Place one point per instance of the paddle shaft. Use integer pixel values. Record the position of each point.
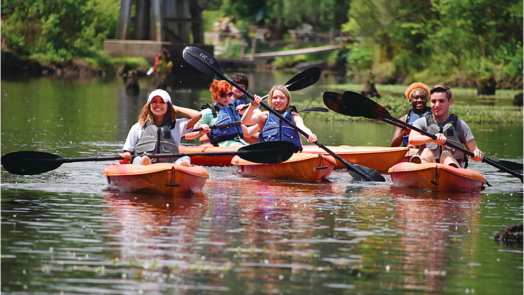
(319, 144)
(220, 126)
(113, 158)
(453, 145)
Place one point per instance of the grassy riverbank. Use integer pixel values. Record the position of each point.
(395, 102)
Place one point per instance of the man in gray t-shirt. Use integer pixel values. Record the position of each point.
(442, 126)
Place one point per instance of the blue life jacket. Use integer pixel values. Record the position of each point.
(411, 117)
(240, 101)
(156, 140)
(226, 114)
(276, 129)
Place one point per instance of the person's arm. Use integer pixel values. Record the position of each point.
(195, 134)
(193, 115)
(131, 141)
(251, 118)
(300, 124)
(126, 157)
(418, 139)
(398, 136)
(249, 131)
(472, 147)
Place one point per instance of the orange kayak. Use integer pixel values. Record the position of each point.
(301, 167)
(436, 177)
(204, 160)
(377, 158)
(166, 179)
(374, 157)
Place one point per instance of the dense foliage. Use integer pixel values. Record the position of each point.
(281, 15)
(461, 42)
(58, 29)
(440, 40)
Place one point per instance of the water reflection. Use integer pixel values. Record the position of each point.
(429, 222)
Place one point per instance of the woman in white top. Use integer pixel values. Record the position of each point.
(158, 130)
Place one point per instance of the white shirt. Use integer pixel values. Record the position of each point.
(136, 132)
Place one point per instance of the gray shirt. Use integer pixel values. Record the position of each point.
(463, 131)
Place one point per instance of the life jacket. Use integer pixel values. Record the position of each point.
(450, 131)
(242, 100)
(214, 108)
(411, 117)
(226, 114)
(276, 129)
(156, 140)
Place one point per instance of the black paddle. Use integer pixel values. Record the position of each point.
(33, 162)
(221, 126)
(300, 81)
(366, 107)
(335, 102)
(204, 62)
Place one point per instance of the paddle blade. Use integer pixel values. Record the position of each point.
(203, 61)
(367, 107)
(334, 101)
(363, 173)
(270, 152)
(304, 79)
(511, 165)
(30, 162)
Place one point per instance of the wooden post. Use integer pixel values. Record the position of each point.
(156, 21)
(253, 48)
(124, 19)
(331, 36)
(243, 46)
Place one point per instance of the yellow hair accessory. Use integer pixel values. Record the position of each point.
(416, 86)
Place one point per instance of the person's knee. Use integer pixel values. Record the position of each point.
(427, 156)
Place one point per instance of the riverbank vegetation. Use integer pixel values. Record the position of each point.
(64, 36)
(462, 43)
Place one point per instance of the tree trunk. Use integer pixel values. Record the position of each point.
(517, 101)
(369, 88)
(486, 86)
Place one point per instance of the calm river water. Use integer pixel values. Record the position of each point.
(64, 232)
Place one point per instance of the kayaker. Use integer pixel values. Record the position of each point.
(239, 99)
(445, 126)
(158, 114)
(272, 127)
(219, 113)
(417, 95)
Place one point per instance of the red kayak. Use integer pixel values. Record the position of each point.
(436, 177)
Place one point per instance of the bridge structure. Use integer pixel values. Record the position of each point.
(146, 27)
(176, 21)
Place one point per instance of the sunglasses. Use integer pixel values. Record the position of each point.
(224, 94)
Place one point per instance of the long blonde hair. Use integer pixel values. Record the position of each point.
(284, 90)
(147, 115)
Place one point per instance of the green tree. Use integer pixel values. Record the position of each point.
(59, 28)
(286, 14)
(442, 39)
